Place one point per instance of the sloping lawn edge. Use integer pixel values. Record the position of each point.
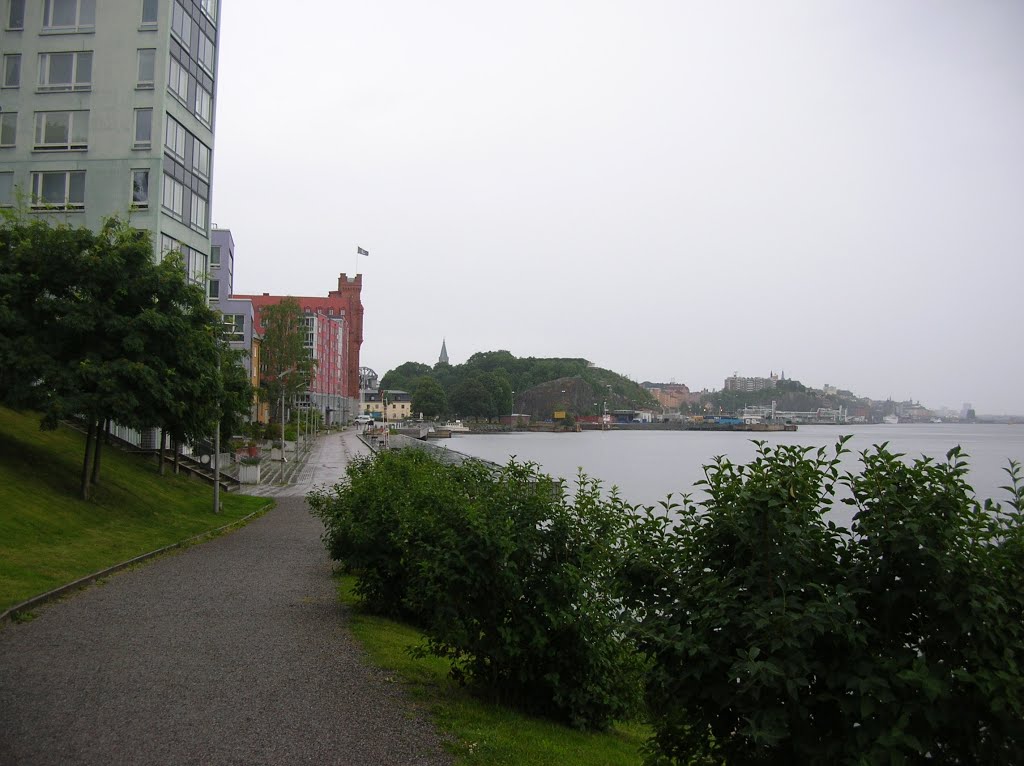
(23, 611)
(480, 733)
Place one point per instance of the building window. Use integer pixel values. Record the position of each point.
(12, 70)
(64, 189)
(215, 288)
(204, 106)
(140, 189)
(196, 265)
(209, 8)
(69, 15)
(149, 13)
(181, 25)
(174, 138)
(173, 197)
(215, 255)
(198, 218)
(16, 14)
(143, 128)
(206, 53)
(8, 128)
(177, 80)
(61, 131)
(201, 158)
(6, 189)
(65, 71)
(147, 67)
(167, 245)
(234, 327)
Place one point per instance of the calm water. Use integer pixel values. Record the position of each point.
(648, 466)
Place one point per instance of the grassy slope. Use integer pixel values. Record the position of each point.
(49, 537)
(484, 734)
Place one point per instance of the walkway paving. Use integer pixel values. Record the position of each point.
(230, 652)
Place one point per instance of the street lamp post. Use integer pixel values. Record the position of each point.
(512, 415)
(216, 445)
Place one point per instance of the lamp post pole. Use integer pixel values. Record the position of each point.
(216, 444)
(512, 415)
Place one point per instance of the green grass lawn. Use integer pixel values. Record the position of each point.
(50, 537)
(482, 733)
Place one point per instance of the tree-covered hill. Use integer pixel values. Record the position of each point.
(483, 386)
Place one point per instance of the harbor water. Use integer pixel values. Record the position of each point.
(648, 466)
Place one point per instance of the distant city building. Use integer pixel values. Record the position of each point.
(750, 385)
(334, 334)
(396, 404)
(671, 395)
(237, 314)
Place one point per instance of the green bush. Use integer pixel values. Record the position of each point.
(511, 579)
(777, 638)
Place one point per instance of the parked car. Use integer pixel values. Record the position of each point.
(363, 420)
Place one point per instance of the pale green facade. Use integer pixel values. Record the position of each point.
(107, 107)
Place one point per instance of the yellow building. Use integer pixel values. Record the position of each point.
(397, 403)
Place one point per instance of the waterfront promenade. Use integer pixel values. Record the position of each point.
(230, 652)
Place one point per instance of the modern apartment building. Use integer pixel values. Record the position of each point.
(107, 107)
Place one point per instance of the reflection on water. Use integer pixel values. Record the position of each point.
(648, 466)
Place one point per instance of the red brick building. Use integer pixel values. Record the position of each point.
(334, 334)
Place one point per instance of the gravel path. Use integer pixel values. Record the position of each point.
(230, 652)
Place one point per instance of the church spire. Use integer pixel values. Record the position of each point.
(443, 359)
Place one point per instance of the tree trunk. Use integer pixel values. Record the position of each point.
(160, 451)
(101, 437)
(177, 456)
(90, 434)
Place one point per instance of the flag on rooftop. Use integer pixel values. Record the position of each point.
(360, 251)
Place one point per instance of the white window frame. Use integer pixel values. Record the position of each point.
(68, 203)
(207, 53)
(139, 204)
(6, 189)
(13, 5)
(209, 8)
(77, 57)
(9, 124)
(84, 9)
(155, 7)
(175, 136)
(181, 25)
(200, 158)
(197, 268)
(142, 143)
(178, 77)
(198, 213)
(168, 245)
(74, 121)
(213, 293)
(141, 82)
(234, 327)
(12, 71)
(172, 198)
(215, 261)
(204, 105)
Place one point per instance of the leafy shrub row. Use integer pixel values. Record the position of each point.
(512, 579)
(762, 632)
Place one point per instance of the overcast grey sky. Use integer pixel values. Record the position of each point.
(673, 190)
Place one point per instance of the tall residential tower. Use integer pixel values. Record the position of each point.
(107, 107)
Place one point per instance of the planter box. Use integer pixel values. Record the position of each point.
(275, 453)
(249, 474)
